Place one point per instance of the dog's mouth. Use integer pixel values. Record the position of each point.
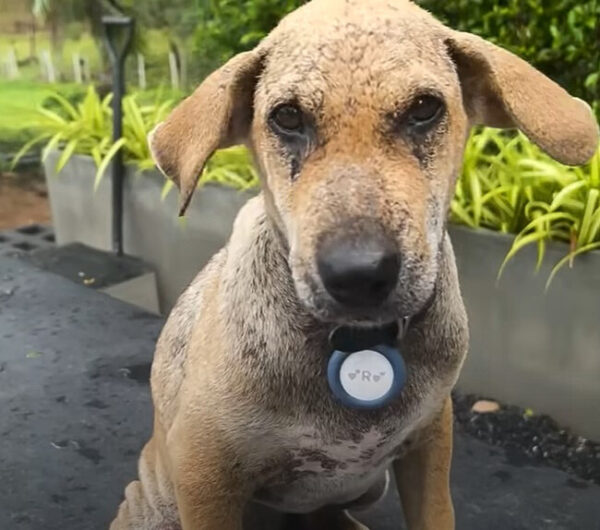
(411, 295)
(362, 281)
(398, 305)
(335, 313)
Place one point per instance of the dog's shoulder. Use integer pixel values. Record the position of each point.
(172, 349)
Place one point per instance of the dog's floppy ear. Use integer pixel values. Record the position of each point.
(217, 115)
(502, 90)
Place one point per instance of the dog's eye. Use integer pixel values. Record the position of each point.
(425, 111)
(288, 118)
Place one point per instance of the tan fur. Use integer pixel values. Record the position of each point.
(423, 477)
(242, 407)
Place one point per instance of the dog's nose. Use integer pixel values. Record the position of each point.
(359, 272)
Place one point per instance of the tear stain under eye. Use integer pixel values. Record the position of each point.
(295, 168)
(424, 148)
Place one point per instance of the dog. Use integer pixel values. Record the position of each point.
(357, 113)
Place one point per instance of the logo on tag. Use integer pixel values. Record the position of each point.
(366, 375)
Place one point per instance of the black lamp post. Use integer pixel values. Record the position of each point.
(119, 33)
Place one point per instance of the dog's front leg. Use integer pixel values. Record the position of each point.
(210, 493)
(423, 478)
(207, 500)
(197, 512)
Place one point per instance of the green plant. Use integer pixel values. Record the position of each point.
(510, 185)
(73, 128)
(560, 37)
(18, 101)
(86, 128)
(231, 167)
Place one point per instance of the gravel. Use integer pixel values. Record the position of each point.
(529, 438)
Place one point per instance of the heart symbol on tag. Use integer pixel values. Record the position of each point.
(376, 378)
(352, 376)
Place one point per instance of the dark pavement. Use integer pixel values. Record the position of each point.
(76, 411)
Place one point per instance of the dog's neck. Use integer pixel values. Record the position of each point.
(275, 220)
(272, 338)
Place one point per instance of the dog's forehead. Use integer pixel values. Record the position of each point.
(321, 11)
(386, 53)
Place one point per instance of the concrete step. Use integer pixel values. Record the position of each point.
(125, 278)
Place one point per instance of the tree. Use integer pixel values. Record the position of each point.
(47, 11)
(177, 19)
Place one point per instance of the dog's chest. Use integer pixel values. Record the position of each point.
(317, 470)
(336, 455)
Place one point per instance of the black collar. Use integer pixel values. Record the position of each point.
(351, 338)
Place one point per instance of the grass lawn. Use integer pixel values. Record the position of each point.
(18, 101)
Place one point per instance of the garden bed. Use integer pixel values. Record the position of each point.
(530, 438)
(535, 348)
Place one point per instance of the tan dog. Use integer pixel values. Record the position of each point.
(357, 112)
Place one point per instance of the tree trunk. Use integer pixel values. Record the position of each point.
(32, 39)
(55, 33)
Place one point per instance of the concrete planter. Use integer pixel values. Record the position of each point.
(177, 249)
(529, 347)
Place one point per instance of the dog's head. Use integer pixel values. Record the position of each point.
(357, 112)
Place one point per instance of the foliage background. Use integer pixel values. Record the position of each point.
(561, 37)
(507, 184)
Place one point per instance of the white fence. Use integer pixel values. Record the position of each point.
(80, 70)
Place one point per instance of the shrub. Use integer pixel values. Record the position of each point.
(509, 185)
(232, 26)
(561, 38)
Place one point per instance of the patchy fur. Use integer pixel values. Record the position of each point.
(242, 406)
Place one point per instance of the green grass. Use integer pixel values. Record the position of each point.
(18, 103)
(18, 97)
